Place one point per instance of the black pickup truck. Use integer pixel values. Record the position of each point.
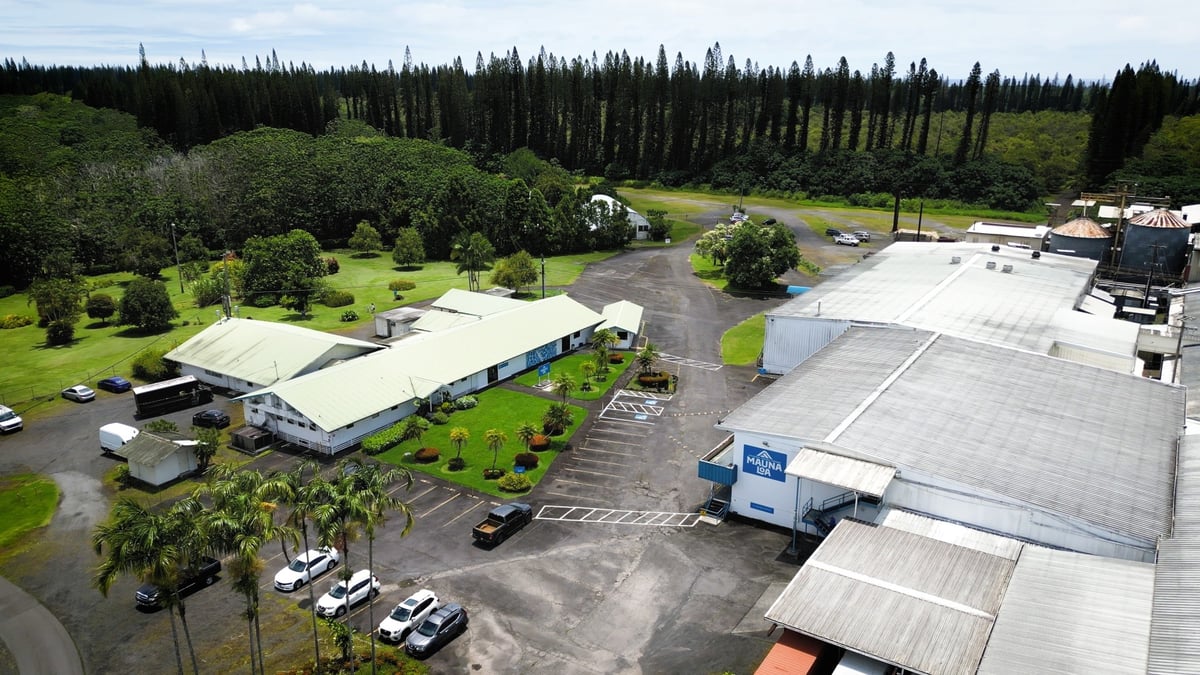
(150, 595)
(503, 521)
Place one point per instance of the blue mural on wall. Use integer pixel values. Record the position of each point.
(541, 354)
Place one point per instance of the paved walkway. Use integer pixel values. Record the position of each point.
(38, 642)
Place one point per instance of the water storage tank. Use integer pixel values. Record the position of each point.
(1082, 238)
(1157, 236)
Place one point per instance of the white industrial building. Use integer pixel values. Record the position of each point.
(335, 408)
(1008, 441)
(624, 319)
(989, 293)
(244, 354)
(1018, 235)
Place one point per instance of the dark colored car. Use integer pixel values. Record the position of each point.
(440, 628)
(116, 384)
(217, 419)
(149, 595)
(832, 232)
(769, 221)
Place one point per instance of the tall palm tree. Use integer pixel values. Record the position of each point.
(152, 547)
(374, 483)
(563, 385)
(304, 490)
(338, 518)
(242, 521)
(495, 440)
(474, 254)
(459, 437)
(602, 341)
(525, 434)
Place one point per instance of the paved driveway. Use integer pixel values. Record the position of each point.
(559, 597)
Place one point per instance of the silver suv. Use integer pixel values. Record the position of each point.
(361, 585)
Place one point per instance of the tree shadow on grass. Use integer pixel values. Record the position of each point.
(766, 293)
(709, 275)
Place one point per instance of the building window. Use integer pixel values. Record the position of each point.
(254, 411)
(576, 334)
(622, 335)
(349, 426)
(210, 372)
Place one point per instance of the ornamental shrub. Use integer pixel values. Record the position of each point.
(466, 402)
(149, 366)
(14, 321)
(514, 482)
(439, 417)
(60, 332)
(446, 407)
(493, 474)
(338, 299)
(456, 464)
(383, 440)
(349, 315)
(401, 285)
(263, 300)
(526, 459)
(616, 358)
(427, 455)
(332, 266)
(539, 443)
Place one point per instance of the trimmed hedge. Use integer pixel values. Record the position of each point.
(15, 321)
(383, 440)
(526, 459)
(338, 299)
(427, 455)
(456, 464)
(465, 402)
(514, 482)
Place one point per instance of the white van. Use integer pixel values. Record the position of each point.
(115, 435)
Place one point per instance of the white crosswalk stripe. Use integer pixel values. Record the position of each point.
(691, 363)
(584, 514)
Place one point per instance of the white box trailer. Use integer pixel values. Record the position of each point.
(114, 436)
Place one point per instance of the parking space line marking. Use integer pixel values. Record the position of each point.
(563, 494)
(689, 362)
(606, 440)
(607, 452)
(600, 461)
(456, 495)
(594, 473)
(625, 421)
(575, 482)
(622, 432)
(431, 489)
(473, 507)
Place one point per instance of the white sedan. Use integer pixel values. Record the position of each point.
(79, 393)
(305, 567)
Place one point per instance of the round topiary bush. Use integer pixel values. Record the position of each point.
(616, 358)
(465, 402)
(493, 474)
(539, 443)
(439, 417)
(456, 464)
(526, 459)
(514, 482)
(427, 455)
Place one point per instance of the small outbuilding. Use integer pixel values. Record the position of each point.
(156, 461)
(396, 322)
(624, 319)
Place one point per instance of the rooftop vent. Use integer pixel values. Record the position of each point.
(991, 264)
(1035, 255)
(954, 260)
(995, 248)
(1007, 269)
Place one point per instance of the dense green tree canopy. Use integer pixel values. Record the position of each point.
(147, 305)
(758, 255)
(283, 264)
(409, 250)
(516, 271)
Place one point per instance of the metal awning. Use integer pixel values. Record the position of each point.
(867, 478)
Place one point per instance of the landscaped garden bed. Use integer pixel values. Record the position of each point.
(572, 365)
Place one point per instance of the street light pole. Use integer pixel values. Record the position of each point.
(543, 277)
(178, 267)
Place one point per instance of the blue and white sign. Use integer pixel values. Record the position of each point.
(762, 507)
(544, 370)
(765, 463)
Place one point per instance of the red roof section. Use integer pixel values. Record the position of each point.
(794, 654)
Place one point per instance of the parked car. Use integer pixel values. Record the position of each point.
(116, 384)
(769, 221)
(408, 615)
(305, 567)
(832, 232)
(217, 419)
(150, 595)
(79, 393)
(361, 585)
(440, 628)
(862, 235)
(846, 239)
(502, 522)
(9, 420)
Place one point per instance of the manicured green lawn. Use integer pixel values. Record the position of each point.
(498, 409)
(708, 271)
(741, 345)
(570, 365)
(27, 502)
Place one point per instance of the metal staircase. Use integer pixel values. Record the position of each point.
(822, 516)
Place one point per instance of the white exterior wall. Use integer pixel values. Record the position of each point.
(789, 340)
(178, 463)
(219, 380)
(290, 425)
(763, 491)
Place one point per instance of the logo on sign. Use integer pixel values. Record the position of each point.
(544, 369)
(765, 463)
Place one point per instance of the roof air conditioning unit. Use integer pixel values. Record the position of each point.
(1037, 254)
(1007, 269)
(954, 259)
(995, 248)
(991, 264)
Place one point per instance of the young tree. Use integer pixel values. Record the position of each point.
(410, 249)
(474, 254)
(588, 370)
(208, 440)
(603, 340)
(147, 305)
(495, 440)
(365, 240)
(515, 272)
(459, 437)
(557, 418)
(101, 306)
(304, 491)
(525, 434)
(647, 357)
(374, 483)
(563, 385)
(414, 428)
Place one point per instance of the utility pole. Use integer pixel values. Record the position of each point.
(226, 301)
(178, 267)
(543, 277)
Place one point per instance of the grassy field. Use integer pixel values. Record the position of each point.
(37, 372)
(27, 502)
(741, 345)
(498, 409)
(570, 365)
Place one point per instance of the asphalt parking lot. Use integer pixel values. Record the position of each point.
(564, 595)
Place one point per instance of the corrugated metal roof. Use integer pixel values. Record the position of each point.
(918, 284)
(1082, 228)
(622, 315)
(1015, 230)
(435, 321)
(951, 533)
(148, 450)
(1068, 612)
(263, 351)
(477, 304)
(1070, 439)
(1159, 218)
(418, 366)
(1174, 636)
(863, 477)
(901, 598)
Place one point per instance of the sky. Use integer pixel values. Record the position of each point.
(1090, 39)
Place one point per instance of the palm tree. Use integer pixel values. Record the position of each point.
(495, 440)
(303, 490)
(588, 369)
(415, 427)
(557, 418)
(374, 482)
(563, 385)
(474, 254)
(242, 521)
(152, 547)
(459, 437)
(602, 341)
(525, 434)
(647, 357)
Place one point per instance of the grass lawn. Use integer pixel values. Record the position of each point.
(741, 345)
(570, 365)
(498, 409)
(708, 271)
(39, 372)
(27, 502)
